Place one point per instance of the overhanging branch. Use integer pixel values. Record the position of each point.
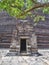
(35, 7)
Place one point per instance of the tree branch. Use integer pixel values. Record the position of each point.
(35, 7)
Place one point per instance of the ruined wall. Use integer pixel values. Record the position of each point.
(8, 24)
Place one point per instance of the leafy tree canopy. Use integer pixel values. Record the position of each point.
(22, 8)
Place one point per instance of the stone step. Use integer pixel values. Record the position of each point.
(17, 49)
(25, 54)
(11, 54)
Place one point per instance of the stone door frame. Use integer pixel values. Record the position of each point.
(27, 38)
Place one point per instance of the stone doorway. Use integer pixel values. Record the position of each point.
(23, 45)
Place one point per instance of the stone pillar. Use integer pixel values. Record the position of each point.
(34, 44)
(13, 46)
(14, 42)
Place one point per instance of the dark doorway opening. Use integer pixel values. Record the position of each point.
(23, 45)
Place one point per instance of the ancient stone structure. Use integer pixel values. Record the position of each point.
(8, 25)
(24, 38)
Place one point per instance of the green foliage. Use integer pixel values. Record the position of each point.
(17, 7)
(46, 10)
(38, 18)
